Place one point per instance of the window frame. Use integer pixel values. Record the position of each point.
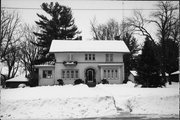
(109, 57)
(70, 73)
(90, 57)
(110, 73)
(46, 74)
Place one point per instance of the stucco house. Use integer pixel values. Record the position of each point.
(90, 61)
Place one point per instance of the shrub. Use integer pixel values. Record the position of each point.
(61, 82)
(104, 81)
(78, 81)
(21, 85)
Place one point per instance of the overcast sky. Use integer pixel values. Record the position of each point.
(82, 11)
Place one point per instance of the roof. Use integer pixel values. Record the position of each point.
(20, 78)
(133, 72)
(166, 74)
(88, 46)
(176, 72)
(110, 64)
(50, 66)
(46, 64)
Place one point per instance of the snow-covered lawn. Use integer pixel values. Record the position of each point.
(80, 101)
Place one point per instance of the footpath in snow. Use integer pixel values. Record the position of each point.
(80, 101)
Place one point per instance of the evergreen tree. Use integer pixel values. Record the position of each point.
(171, 56)
(129, 59)
(58, 25)
(148, 66)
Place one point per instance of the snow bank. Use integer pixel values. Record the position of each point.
(80, 101)
(59, 108)
(55, 102)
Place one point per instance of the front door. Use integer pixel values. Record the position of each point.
(90, 75)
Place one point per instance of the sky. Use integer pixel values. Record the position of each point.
(83, 11)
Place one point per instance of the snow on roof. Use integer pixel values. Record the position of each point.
(20, 78)
(133, 72)
(88, 46)
(176, 72)
(166, 74)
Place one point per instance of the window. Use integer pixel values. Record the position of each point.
(67, 72)
(109, 57)
(90, 57)
(111, 73)
(70, 74)
(47, 73)
(77, 74)
(70, 57)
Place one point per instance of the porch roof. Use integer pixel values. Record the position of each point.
(38, 66)
(88, 46)
(20, 78)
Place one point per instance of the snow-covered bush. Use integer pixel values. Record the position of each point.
(22, 85)
(60, 81)
(104, 81)
(78, 81)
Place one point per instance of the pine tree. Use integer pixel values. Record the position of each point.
(129, 60)
(58, 25)
(148, 66)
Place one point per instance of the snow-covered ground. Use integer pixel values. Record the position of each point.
(80, 101)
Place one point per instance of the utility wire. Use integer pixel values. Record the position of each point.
(78, 8)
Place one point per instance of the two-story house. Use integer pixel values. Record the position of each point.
(90, 61)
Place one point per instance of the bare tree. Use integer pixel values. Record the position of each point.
(9, 42)
(12, 61)
(29, 51)
(166, 20)
(107, 31)
(9, 32)
(138, 23)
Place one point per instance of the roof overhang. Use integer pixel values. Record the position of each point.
(106, 65)
(44, 66)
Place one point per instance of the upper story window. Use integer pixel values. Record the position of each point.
(47, 73)
(90, 57)
(70, 57)
(109, 57)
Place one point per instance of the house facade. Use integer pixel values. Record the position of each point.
(90, 61)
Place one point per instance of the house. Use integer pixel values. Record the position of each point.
(90, 61)
(132, 76)
(175, 76)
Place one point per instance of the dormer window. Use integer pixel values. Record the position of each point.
(90, 57)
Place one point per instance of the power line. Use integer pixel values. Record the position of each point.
(80, 8)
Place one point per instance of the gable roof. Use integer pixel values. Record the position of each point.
(20, 78)
(176, 72)
(133, 72)
(88, 46)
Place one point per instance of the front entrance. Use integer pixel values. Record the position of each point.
(90, 75)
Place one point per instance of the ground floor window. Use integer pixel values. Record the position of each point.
(110, 73)
(47, 73)
(69, 73)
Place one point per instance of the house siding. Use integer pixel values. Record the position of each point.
(80, 57)
(46, 81)
(83, 65)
